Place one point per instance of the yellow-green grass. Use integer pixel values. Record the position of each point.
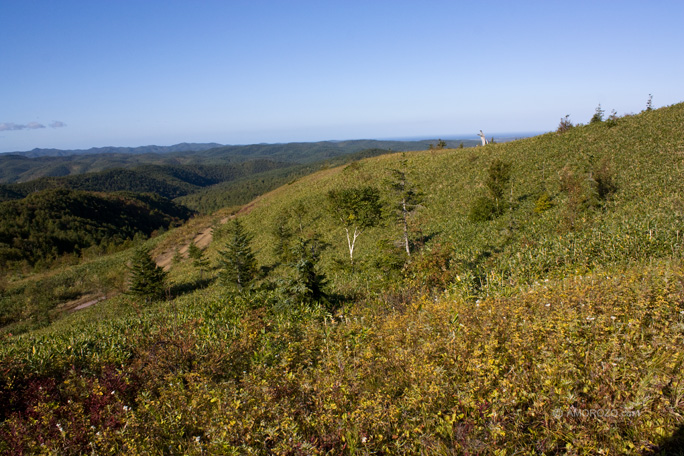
(642, 219)
(584, 365)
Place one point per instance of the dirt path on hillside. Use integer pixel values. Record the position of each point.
(83, 302)
(201, 240)
(89, 303)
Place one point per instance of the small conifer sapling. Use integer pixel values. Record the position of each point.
(237, 263)
(147, 279)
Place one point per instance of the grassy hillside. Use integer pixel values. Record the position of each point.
(641, 218)
(552, 324)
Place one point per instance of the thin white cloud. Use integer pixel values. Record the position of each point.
(11, 126)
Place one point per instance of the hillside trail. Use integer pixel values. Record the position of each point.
(202, 239)
(85, 301)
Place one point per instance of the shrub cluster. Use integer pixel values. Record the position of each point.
(442, 376)
(497, 183)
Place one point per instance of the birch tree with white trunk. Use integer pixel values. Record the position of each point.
(357, 209)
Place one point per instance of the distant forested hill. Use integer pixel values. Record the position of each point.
(27, 166)
(204, 186)
(53, 222)
(243, 190)
(182, 147)
(169, 181)
(323, 150)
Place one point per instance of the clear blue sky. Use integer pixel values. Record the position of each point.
(80, 74)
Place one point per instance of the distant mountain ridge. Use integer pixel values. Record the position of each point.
(181, 147)
(39, 163)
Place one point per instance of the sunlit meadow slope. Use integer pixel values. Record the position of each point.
(557, 327)
(642, 218)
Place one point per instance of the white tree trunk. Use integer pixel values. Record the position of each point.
(405, 220)
(351, 241)
(482, 137)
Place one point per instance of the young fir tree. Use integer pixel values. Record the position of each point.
(147, 279)
(407, 198)
(598, 115)
(649, 103)
(177, 256)
(283, 238)
(291, 222)
(498, 182)
(308, 283)
(237, 263)
(198, 258)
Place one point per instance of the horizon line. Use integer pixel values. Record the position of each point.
(450, 137)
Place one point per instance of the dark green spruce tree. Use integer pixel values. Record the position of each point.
(238, 267)
(198, 258)
(147, 280)
(282, 240)
(308, 283)
(498, 182)
(598, 115)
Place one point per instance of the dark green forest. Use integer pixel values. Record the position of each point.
(47, 224)
(168, 181)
